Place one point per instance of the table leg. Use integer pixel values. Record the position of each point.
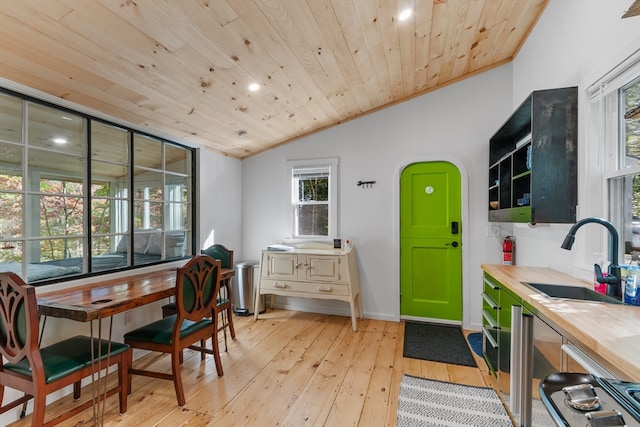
(98, 410)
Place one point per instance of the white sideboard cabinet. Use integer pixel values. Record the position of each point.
(311, 273)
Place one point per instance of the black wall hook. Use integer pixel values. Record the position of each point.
(365, 184)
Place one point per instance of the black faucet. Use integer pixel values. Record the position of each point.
(614, 279)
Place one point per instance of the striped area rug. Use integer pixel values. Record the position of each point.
(424, 402)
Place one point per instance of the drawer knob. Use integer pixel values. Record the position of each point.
(325, 288)
(279, 285)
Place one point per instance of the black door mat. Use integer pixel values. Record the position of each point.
(438, 343)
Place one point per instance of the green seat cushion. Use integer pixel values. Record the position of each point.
(68, 356)
(160, 331)
(172, 305)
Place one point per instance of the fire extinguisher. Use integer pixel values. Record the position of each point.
(507, 251)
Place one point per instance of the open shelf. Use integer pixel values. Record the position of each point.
(533, 161)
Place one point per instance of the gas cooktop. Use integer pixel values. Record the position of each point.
(577, 399)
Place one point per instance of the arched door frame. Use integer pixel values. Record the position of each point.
(395, 261)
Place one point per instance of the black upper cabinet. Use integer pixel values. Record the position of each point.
(533, 161)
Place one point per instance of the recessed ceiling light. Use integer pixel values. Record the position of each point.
(405, 14)
(59, 140)
(254, 87)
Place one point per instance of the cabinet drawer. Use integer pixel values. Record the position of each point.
(489, 321)
(489, 303)
(490, 309)
(491, 287)
(490, 349)
(311, 288)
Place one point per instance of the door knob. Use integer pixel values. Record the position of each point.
(454, 244)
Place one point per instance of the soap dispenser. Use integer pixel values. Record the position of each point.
(604, 266)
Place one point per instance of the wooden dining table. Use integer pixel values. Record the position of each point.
(107, 297)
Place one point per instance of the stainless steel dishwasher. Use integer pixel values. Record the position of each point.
(535, 354)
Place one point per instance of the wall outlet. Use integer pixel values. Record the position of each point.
(128, 317)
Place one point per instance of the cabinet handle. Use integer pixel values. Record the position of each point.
(489, 337)
(585, 361)
(490, 301)
(279, 285)
(325, 288)
(491, 322)
(492, 285)
(299, 265)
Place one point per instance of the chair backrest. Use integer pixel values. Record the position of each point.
(218, 251)
(19, 323)
(197, 287)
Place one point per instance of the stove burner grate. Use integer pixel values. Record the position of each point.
(571, 400)
(582, 397)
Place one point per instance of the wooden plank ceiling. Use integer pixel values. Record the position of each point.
(183, 67)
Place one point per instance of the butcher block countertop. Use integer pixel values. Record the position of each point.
(610, 333)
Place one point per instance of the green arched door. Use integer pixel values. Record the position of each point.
(431, 242)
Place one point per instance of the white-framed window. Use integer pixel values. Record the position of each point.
(313, 209)
(614, 103)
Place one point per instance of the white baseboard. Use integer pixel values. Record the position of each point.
(335, 311)
(431, 320)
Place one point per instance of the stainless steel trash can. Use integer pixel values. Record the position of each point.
(244, 291)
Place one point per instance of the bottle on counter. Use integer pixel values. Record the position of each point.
(631, 291)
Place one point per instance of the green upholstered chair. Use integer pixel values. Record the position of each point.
(219, 252)
(225, 304)
(40, 371)
(196, 320)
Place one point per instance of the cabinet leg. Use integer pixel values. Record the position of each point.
(354, 324)
(256, 306)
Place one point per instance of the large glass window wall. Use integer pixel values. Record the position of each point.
(80, 196)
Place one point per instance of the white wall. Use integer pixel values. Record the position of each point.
(573, 41)
(453, 123)
(220, 201)
(574, 44)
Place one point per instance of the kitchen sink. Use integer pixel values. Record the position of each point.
(571, 292)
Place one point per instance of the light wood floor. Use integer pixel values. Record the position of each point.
(287, 369)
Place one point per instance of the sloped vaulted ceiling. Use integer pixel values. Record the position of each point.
(183, 67)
